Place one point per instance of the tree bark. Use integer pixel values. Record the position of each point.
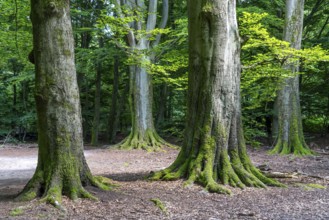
(214, 149)
(143, 134)
(289, 133)
(62, 168)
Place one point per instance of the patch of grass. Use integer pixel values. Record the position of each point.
(158, 203)
(16, 212)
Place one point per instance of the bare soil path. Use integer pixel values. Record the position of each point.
(132, 198)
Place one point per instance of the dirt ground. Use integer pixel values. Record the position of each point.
(132, 198)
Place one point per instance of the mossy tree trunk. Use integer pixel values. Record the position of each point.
(62, 168)
(289, 132)
(143, 134)
(214, 150)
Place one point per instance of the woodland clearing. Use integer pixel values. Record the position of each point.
(306, 195)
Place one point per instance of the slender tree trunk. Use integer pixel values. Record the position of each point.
(14, 122)
(115, 107)
(97, 103)
(62, 168)
(97, 106)
(162, 104)
(214, 149)
(84, 89)
(289, 133)
(169, 110)
(326, 129)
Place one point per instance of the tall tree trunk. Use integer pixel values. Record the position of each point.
(162, 104)
(115, 107)
(214, 149)
(97, 103)
(143, 134)
(169, 110)
(84, 89)
(15, 110)
(62, 168)
(289, 133)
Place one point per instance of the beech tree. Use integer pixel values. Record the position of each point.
(62, 168)
(141, 40)
(214, 149)
(288, 124)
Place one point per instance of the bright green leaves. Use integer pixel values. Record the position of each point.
(261, 48)
(16, 73)
(263, 57)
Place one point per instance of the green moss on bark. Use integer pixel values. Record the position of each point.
(296, 143)
(230, 167)
(149, 141)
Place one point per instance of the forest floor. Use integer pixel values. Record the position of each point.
(132, 199)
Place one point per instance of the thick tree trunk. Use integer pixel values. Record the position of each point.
(214, 149)
(289, 133)
(62, 168)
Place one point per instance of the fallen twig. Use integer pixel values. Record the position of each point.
(313, 176)
(294, 175)
(280, 175)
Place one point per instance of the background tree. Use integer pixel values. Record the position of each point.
(214, 149)
(97, 102)
(314, 85)
(17, 112)
(62, 168)
(261, 25)
(289, 133)
(140, 41)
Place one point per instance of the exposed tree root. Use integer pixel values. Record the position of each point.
(280, 175)
(295, 146)
(51, 191)
(149, 141)
(235, 170)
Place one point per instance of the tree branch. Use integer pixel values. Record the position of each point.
(163, 22)
(130, 36)
(152, 16)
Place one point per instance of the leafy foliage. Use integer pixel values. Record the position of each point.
(263, 54)
(263, 57)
